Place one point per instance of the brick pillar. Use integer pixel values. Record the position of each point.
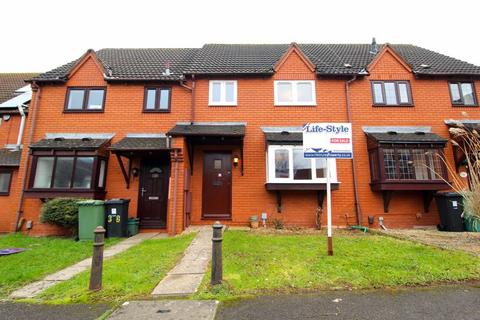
(177, 172)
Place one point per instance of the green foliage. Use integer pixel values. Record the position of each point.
(256, 264)
(61, 211)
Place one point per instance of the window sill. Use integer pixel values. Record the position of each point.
(47, 194)
(156, 111)
(393, 105)
(222, 105)
(83, 111)
(465, 106)
(294, 105)
(276, 186)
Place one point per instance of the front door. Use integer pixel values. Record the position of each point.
(217, 185)
(153, 193)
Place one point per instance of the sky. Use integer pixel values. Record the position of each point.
(39, 35)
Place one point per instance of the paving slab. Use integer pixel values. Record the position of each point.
(16, 311)
(185, 278)
(166, 310)
(33, 289)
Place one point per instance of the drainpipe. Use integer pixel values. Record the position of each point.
(358, 211)
(192, 90)
(175, 185)
(22, 127)
(38, 95)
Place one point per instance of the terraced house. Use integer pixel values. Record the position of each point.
(214, 133)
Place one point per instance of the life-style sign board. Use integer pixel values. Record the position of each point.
(328, 140)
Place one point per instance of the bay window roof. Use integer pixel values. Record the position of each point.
(61, 143)
(394, 137)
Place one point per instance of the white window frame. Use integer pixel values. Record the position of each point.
(271, 167)
(222, 101)
(295, 101)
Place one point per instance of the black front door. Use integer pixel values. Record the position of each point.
(153, 193)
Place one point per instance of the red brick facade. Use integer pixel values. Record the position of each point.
(123, 114)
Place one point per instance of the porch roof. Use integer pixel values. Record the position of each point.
(226, 129)
(9, 158)
(407, 137)
(140, 144)
(284, 135)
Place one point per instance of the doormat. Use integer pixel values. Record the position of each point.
(6, 252)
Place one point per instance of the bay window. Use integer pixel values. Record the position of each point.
(286, 164)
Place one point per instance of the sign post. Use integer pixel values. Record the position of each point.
(328, 140)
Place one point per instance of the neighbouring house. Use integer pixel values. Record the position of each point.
(15, 96)
(195, 135)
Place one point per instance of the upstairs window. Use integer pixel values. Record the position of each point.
(85, 99)
(391, 93)
(286, 164)
(295, 93)
(157, 99)
(463, 93)
(222, 93)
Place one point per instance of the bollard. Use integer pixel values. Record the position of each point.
(217, 268)
(97, 259)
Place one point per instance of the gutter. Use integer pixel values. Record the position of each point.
(38, 96)
(358, 211)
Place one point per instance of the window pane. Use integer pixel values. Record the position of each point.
(101, 175)
(83, 173)
(284, 92)
(150, 104)
(63, 172)
(75, 99)
(455, 92)
(95, 99)
(304, 92)
(434, 163)
(403, 90)
(281, 163)
(216, 91)
(405, 164)
(390, 94)
(164, 99)
(389, 163)
(302, 167)
(467, 93)
(229, 91)
(43, 172)
(321, 168)
(377, 93)
(5, 181)
(419, 164)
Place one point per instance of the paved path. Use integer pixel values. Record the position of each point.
(185, 278)
(166, 310)
(33, 289)
(442, 303)
(16, 311)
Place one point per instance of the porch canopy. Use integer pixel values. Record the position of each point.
(210, 133)
(9, 158)
(133, 145)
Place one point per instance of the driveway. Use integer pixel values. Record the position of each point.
(442, 303)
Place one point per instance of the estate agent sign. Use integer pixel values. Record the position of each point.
(328, 140)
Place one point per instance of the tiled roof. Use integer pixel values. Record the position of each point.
(284, 137)
(232, 130)
(9, 82)
(329, 59)
(9, 158)
(69, 144)
(140, 143)
(395, 137)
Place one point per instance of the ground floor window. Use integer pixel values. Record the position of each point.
(5, 181)
(286, 164)
(68, 172)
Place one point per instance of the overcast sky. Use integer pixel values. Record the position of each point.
(40, 35)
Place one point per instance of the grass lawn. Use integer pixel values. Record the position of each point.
(43, 256)
(260, 264)
(131, 274)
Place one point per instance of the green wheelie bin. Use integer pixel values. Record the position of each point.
(91, 214)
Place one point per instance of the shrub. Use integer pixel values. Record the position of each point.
(61, 211)
(278, 224)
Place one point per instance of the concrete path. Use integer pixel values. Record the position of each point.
(16, 311)
(441, 303)
(185, 278)
(33, 289)
(166, 310)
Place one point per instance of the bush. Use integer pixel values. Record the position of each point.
(61, 211)
(278, 224)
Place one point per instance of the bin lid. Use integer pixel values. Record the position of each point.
(91, 203)
(117, 201)
(448, 195)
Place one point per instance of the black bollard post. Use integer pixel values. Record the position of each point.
(97, 259)
(217, 268)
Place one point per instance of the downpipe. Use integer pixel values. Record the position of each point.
(22, 127)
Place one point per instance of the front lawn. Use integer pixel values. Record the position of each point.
(258, 264)
(131, 274)
(44, 255)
